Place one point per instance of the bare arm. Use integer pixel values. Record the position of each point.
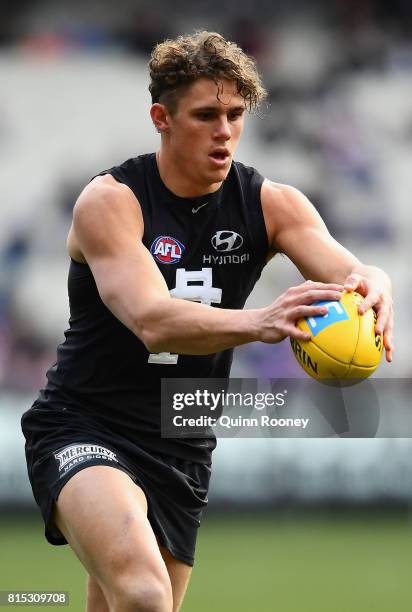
(108, 229)
(296, 229)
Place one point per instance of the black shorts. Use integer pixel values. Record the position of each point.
(60, 443)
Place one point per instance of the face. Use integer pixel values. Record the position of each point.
(203, 133)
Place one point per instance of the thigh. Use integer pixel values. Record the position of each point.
(179, 574)
(102, 514)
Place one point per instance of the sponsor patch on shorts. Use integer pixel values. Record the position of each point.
(76, 454)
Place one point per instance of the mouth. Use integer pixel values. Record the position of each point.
(219, 157)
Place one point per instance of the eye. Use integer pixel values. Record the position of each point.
(205, 116)
(235, 115)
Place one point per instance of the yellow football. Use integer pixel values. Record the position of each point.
(343, 343)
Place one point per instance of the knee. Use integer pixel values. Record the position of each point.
(143, 594)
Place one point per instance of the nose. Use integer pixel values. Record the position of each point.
(222, 131)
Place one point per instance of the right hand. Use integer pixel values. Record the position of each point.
(278, 320)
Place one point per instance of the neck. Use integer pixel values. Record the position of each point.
(177, 181)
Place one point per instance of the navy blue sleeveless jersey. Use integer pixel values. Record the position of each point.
(209, 249)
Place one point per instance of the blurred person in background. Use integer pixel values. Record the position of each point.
(150, 239)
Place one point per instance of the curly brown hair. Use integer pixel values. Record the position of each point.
(176, 64)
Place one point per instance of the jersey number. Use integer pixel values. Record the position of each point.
(196, 286)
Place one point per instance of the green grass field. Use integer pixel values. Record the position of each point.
(321, 563)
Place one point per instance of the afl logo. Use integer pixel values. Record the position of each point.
(167, 250)
(225, 240)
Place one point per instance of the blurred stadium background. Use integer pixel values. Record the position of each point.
(321, 524)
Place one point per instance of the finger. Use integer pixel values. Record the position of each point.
(315, 285)
(298, 334)
(318, 285)
(299, 312)
(352, 282)
(389, 354)
(370, 300)
(309, 297)
(388, 342)
(383, 319)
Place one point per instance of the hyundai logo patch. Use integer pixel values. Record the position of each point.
(226, 240)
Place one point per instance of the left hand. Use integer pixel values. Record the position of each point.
(376, 288)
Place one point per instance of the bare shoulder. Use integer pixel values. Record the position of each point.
(103, 199)
(285, 209)
(105, 213)
(278, 198)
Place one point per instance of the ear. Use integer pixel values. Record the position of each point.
(160, 117)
